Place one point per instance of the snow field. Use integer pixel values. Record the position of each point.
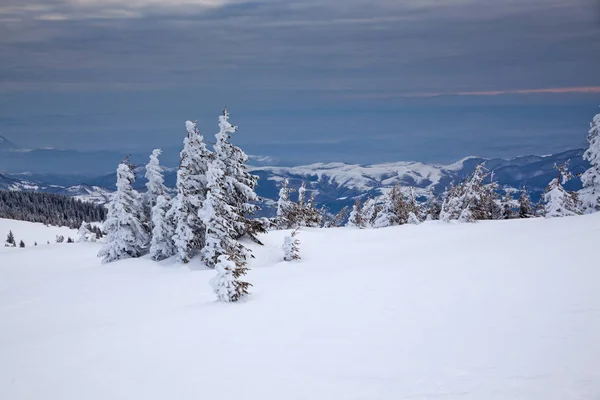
(31, 232)
(491, 310)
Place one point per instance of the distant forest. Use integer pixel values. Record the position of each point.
(47, 208)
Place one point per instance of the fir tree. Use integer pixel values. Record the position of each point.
(127, 234)
(155, 182)
(21, 244)
(191, 192)
(84, 234)
(163, 228)
(371, 210)
(558, 201)
(286, 210)
(10, 239)
(339, 218)
(413, 219)
(412, 206)
(433, 207)
(590, 193)
(223, 211)
(507, 204)
(525, 207)
(227, 284)
(356, 218)
(240, 185)
(291, 246)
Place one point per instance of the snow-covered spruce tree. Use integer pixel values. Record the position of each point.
(356, 218)
(590, 193)
(126, 232)
(339, 219)
(413, 219)
(412, 206)
(21, 244)
(227, 284)
(558, 201)
(508, 203)
(525, 206)
(371, 210)
(309, 215)
(240, 185)
(225, 210)
(471, 200)
(393, 209)
(291, 246)
(191, 192)
(155, 182)
(302, 194)
(286, 209)
(432, 208)
(85, 234)
(452, 204)
(163, 229)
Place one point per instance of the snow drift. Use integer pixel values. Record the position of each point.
(491, 310)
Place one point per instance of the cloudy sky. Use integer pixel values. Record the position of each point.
(306, 80)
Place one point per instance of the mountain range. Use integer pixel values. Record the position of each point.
(335, 184)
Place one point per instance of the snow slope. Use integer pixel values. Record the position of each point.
(30, 232)
(492, 310)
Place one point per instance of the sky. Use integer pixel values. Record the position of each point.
(307, 80)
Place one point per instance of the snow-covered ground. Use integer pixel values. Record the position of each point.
(492, 310)
(30, 233)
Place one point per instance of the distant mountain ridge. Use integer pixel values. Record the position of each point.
(336, 184)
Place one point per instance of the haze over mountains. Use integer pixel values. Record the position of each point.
(90, 175)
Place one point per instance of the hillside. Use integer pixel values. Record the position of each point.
(491, 310)
(31, 232)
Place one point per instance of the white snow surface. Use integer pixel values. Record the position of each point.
(490, 310)
(31, 232)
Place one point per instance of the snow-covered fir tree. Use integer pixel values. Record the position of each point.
(413, 219)
(393, 211)
(227, 284)
(525, 206)
(453, 203)
(590, 193)
(155, 182)
(230, 189)
(302, 194)
(338, 219)
(432, 208)
(308, 215)
(191, 192)
(291, 246)
(472, 199)
(286, 209)
(412, 206)
(558, 201)
(508, 204)
(240, 184)
(125, 226)
(85, 234)
(356, 218)
(370, 212)
(162, 245)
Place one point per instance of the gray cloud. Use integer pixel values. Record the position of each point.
(278, 45)
(103, 63)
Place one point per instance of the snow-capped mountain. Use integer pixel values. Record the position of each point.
(336, 184)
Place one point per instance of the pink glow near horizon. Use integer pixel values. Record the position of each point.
(580, 89)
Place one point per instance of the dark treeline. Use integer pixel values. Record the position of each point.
(47, 208)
